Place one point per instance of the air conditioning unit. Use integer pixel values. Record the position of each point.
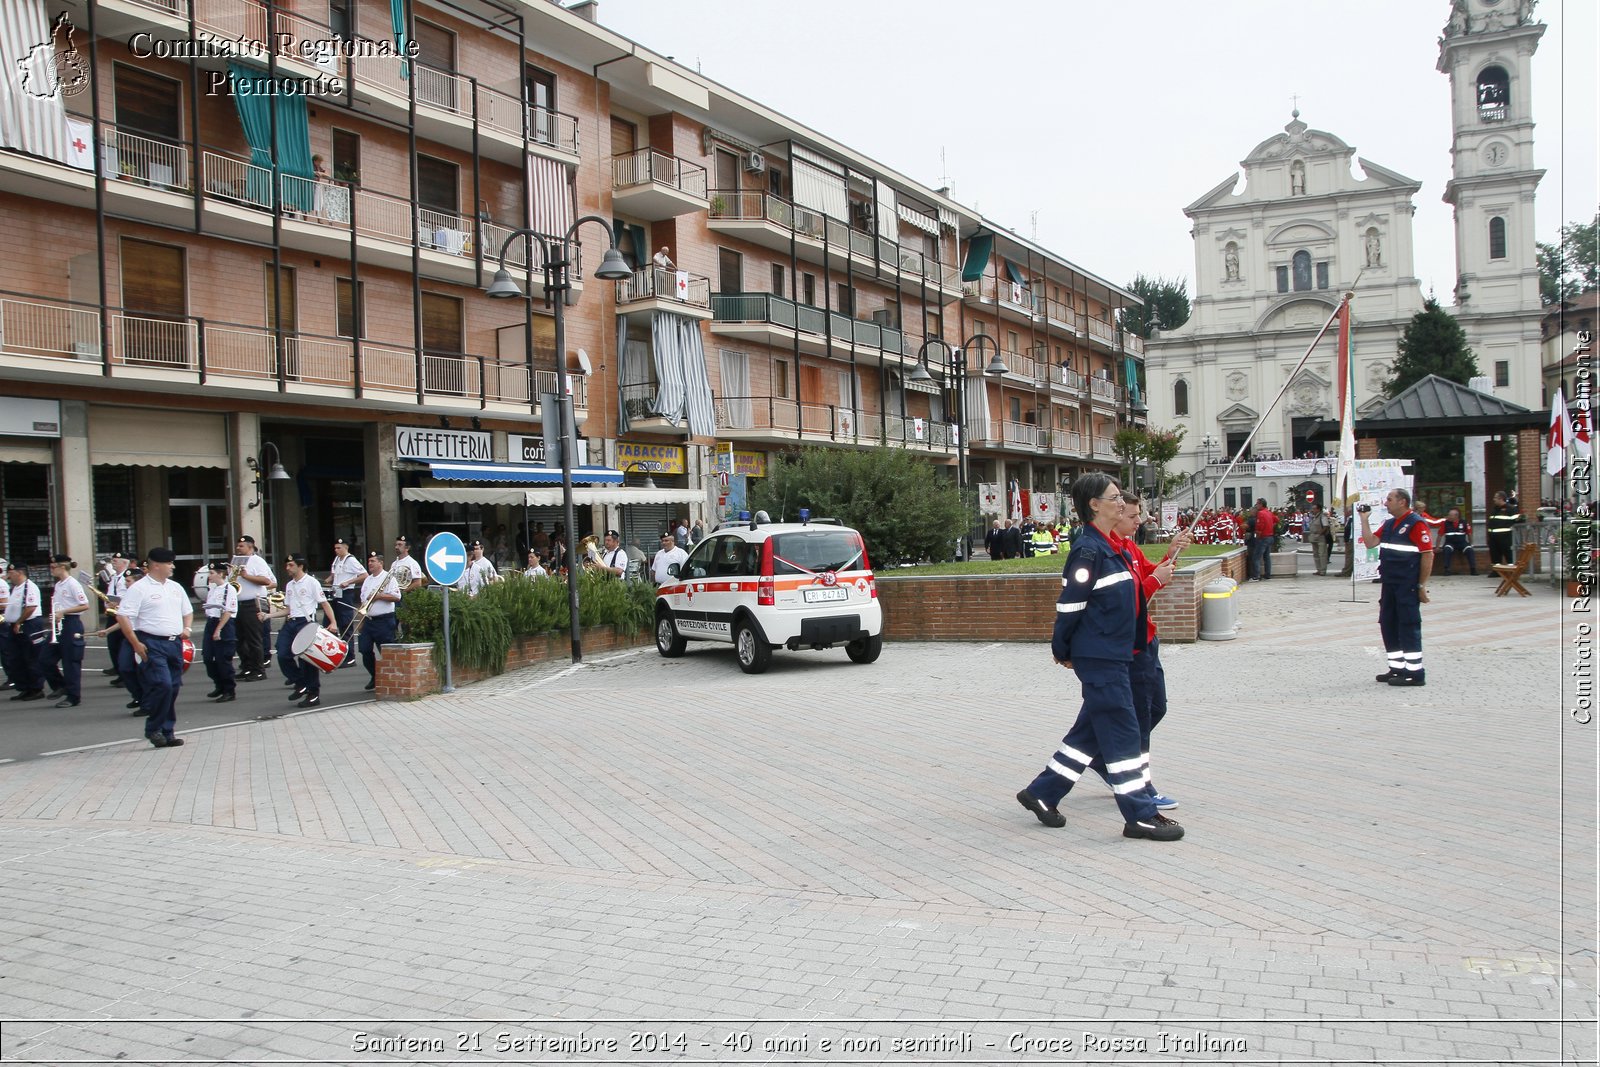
(881, 317)
(755, 163)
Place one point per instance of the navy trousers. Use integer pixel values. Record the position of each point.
(23, 654)
(304, 675)
(1107, 728)
(379, 630)
(161, 677)
(1400, 622)
(217, 654)
(61, 664)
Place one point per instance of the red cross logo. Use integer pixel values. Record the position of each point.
(77, 142)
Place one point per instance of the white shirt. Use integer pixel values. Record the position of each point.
(221, 599)
(662, 260)
(616, 557)
(118, 584)
(68, 594)
(368, 587)
(257, 566)
(24, 596)
(301, 597)
(157, 607)
(535, 571)
(348, 572)
(664, 559)
(405, 571)
(122, 612)
(479, 573)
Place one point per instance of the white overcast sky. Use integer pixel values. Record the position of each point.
(1108, 118)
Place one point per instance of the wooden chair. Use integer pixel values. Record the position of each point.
(1511, 573)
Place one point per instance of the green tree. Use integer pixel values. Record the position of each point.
(1433, 343)
(1161, 447)
(903, 507)
(1572, 265)
(1128, 443)
(1166, 300)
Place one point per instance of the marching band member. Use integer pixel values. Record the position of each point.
(407, 572)
(347, 577)
(25, 630)
(68, 602)
(380, 592)
(612, 559)
(535, 568)
(301, 595)
(220, 637)
(254, 628)
(116, 584)
(154, 616)
(479, 573)
(5, 631)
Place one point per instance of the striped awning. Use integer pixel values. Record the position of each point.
(522, 474)
(33, 113)
(925, 223)
(550, 204)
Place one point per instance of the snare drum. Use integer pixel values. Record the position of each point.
(320, 647)
(186, 647)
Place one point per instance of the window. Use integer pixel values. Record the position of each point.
(286, 302)
(1180, 397)
(1283, 279)
(777, 279)
(541, 88)
(155, 290)
(438, 185)
(1322, 275)
(346, 160)
(436, 52)
(1012, 342)
(847, 300)
(780, 379)
(351, 319)
(730, 271)
(1494, 94)
(1302, 271)
(1497, 238)
(148, 104)
(1247, 494)
(810, 289)
(1016, 409)
(727, 165)
(442, 323)
(1229, 500)
(930, 324)
(339, 19)
(624, 136)
(774, 181)
(1502, 372)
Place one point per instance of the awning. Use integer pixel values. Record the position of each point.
(926, 223)
(522, 474)
(978, 249)
(136, 437)
(445, 494)
(1013, 273)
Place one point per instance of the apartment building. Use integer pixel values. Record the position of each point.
(251, 241)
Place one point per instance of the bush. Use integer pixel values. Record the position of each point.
(603, 600)
(530, 605)
(480, 636)
(421, 614)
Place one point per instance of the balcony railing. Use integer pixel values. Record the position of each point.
(1021, 365)
(130, 156)
(1102, 446)
(555, 129)
(57, 331)
(840, 423)
(649, 167)
(1066, 442)
(1003, 291)
(1019, 434)
(1104, 389)
(656, 283)
(763, 207)
(1070, 378)
(780, 311)
(1101, 331)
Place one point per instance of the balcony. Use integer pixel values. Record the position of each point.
(1067, 381)
(1106, 393)
(653, 186)
(763, 318)
(1025, 368)
(1065, 442)
(778, 420)
(654, 289)
(1020, 435)
(1013, 301)
(1101, 447)
(48, 341)
(771, 222)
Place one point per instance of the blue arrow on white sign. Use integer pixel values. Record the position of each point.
(446, 558)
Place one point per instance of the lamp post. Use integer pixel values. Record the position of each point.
(556, 253)
(956, 362)
(262, 474)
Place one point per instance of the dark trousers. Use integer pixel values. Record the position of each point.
(22, 654)
(1448, 553)
(61, 663)
(379, 630)
(217, 654)
(304, 675)
(1261, 558)
(131, 673)
(114, 643)
(344, 609)
(162, 678)
(1108, 728)
(252, 655)
(1400, 622)
(1499, 548)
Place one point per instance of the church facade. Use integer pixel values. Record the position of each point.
(1274, 257)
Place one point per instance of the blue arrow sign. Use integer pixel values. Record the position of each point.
(446, 558)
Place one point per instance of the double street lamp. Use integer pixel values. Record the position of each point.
(556, 252)
(955, 360)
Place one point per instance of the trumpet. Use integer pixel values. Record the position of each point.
(111, 602)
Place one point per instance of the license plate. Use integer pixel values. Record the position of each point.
(817, 596)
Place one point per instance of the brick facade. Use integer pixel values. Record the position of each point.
(406, 672)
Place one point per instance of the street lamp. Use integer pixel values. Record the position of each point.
(956, 360)
(262, 474)
(556, 252)
(1208, 443)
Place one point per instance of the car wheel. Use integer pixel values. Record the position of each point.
(753, 653)
(865, 650)
(669, 642)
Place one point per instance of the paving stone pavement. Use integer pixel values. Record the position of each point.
(649, 861)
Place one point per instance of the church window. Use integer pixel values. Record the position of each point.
(1302, 270)
(1180, 397)
(1502, 373)
(1322, 275)
(1497, 238)
(1494, 94)
(1283, 279)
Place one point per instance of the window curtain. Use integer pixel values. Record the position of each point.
(888, 217)
(977, 408)
(33, 109)
(978, 250)
(684, 387)
(550, 203)
(397, 20)
(256, 110)
(736, 388)
(1132, 372)
(1013, 273)
(623, 376)
(819, 183)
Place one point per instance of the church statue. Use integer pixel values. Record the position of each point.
(1230, 263)
(1297, 179)
(1374, 249)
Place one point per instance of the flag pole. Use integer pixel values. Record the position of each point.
(1288, 379)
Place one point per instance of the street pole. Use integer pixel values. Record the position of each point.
(558, 279)
(449, 684)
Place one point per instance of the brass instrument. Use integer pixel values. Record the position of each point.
(588, 553)
(110, 602)
(360, 619)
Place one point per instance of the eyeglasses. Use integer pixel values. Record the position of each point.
(1108, 499)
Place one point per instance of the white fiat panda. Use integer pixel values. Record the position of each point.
(762, 586)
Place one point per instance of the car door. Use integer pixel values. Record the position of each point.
(697, 606)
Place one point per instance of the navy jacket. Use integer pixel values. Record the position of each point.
(1097, 616)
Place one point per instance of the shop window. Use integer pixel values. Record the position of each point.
(113, 511)
(25, 532)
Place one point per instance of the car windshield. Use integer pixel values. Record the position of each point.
(815, 550)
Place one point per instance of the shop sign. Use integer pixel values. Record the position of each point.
(750, 464)
(24, 417)
(654, 459)
(520, 448)
(435, 444)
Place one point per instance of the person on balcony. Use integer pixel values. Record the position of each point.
(663, 261)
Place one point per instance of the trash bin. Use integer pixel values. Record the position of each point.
(1219, 618)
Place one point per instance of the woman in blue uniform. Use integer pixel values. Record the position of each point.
(1100, 623)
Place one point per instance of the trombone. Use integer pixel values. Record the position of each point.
(360, 618)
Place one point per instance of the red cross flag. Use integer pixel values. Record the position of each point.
(1560, 435)
(80, 144)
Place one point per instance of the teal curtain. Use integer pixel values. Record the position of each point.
(1131, 370)
(397, 18)
(978, 249)
(641, 246)
(294, 138)
(1013, 273)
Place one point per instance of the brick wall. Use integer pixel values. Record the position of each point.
(406, 672)
(1022, 607)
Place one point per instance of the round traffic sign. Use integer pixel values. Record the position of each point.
(445, 558)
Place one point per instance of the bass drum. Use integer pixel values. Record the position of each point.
(320, 647)
(187, 648)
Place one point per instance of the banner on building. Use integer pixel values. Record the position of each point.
(653, 459)
(989, 500)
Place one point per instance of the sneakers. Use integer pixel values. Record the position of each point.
(1157, 828)
(1409, 678)
(1049, 816)
(1164, 802)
